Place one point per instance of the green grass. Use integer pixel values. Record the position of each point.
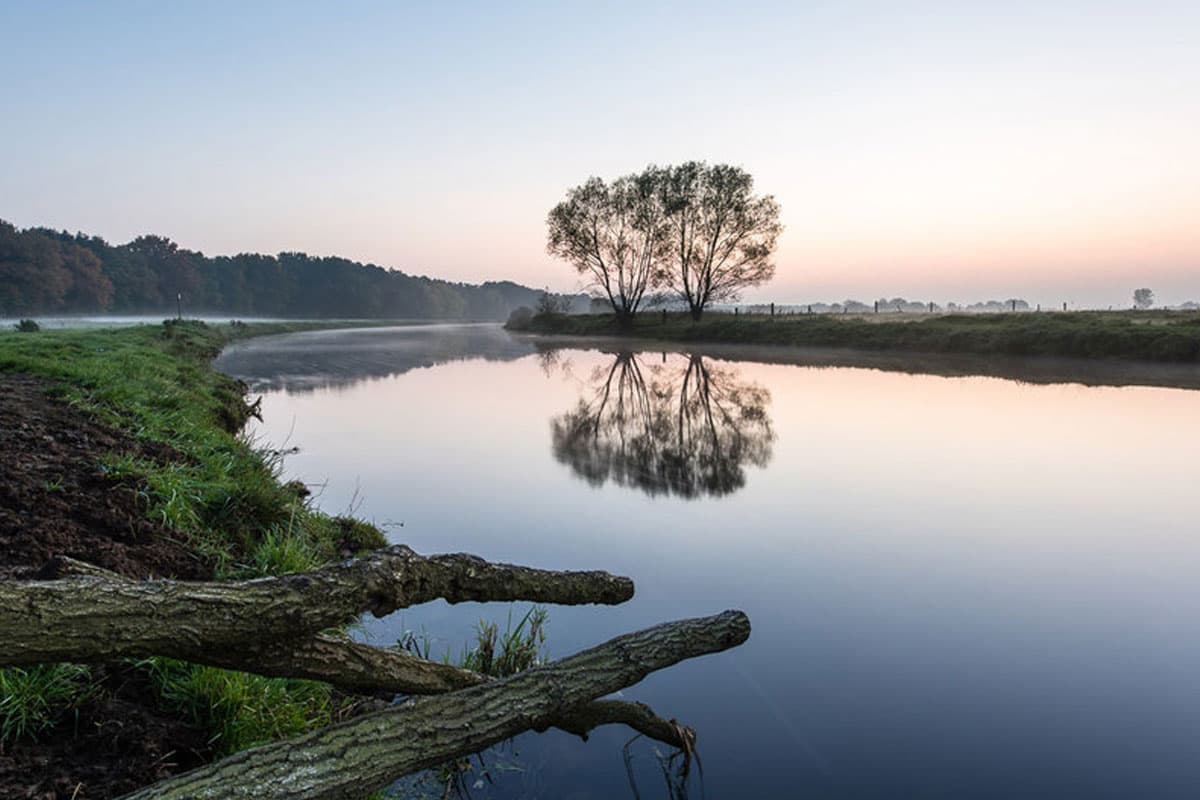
(155, 382)
(518, 649)
(33, 700)
(491, 653)
(1146, 335)
(239, 710)
(226, 494)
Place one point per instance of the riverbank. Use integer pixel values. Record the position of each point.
(123, 449)
(1130, 335)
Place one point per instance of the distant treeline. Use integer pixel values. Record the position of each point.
(44, 271)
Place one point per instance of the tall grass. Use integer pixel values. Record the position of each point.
(490, 652)
(518, 649)
(34, 699)
(239, 710)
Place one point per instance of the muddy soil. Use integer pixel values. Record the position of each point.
(55, 498)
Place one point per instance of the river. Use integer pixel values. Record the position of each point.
(960, 586)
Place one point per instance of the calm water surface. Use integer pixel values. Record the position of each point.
(959, 586)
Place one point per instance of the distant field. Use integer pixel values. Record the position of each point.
(1141, 335)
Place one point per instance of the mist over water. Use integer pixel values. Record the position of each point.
(959, 586)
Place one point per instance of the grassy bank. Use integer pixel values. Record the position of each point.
(216, 490)
(1149, 336)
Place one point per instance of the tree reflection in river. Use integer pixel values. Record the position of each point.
(685, 427)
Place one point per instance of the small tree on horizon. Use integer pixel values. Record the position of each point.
(1143, 298)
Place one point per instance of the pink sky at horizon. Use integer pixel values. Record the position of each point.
(932, 150)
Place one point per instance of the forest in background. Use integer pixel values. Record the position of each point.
(55, 272)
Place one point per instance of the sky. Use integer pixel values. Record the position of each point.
(948, 151)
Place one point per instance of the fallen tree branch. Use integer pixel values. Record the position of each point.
(358, 667)
(90, 618)
(366, 754)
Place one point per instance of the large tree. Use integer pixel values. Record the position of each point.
(722, 235)
(614, 235)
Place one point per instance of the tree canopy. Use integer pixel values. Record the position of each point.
(613, 234)
(722, 236)
(696, 232)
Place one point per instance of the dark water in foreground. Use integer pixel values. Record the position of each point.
(959, 586)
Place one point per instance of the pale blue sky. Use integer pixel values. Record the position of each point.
(943, 150)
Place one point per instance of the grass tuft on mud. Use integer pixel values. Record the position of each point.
(34, 699)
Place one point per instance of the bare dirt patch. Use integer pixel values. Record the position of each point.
(117, 743)
(55, 498)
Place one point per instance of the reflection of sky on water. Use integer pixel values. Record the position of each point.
(959, 586)
(300, 362)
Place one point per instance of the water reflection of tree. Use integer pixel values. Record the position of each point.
(688, 430)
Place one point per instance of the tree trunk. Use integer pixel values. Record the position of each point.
(354, 758)
(93, 618)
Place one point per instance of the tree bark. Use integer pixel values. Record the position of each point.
(358, 667)
(90, 618)
(366, 754)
